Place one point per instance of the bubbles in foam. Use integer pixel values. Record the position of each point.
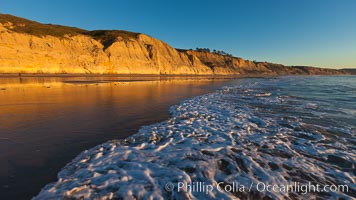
(249, 133)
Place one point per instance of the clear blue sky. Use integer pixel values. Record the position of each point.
(300, 32)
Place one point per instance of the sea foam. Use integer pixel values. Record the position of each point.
(249, 133)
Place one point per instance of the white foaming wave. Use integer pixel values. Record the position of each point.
(211, 139)
(267, 94)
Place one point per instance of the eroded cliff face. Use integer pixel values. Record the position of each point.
(24, 53)
(222, 64)
(147, 55)
(82, 53)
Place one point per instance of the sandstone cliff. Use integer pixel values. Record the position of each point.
(31, 47)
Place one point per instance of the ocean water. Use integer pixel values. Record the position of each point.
(230, 144)
(45, 122)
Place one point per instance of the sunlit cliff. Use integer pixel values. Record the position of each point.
(30, 47)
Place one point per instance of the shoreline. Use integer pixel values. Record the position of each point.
(162, 75)
(87, 114)
(212, 146)
(130, 75)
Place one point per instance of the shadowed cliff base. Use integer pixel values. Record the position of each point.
(33, 48)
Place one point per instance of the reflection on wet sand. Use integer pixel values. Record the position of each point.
(45, 122)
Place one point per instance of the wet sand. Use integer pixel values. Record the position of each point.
(46, 121)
